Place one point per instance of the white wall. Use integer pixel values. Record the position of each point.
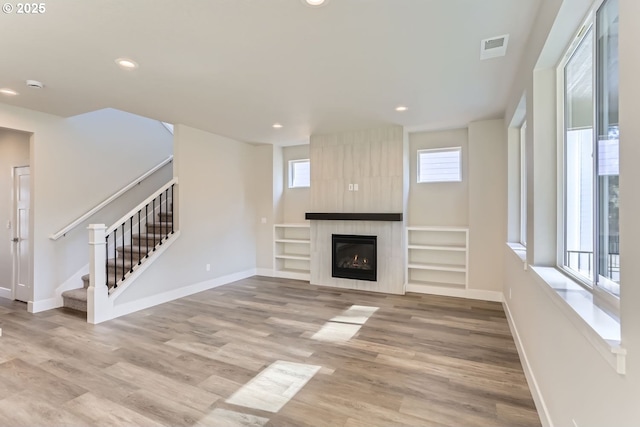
(487, 203)
(575, 382)
(14, 151)
(264, 170)
(76, 163)
(218, 215)
(296, 201)
(443, 203)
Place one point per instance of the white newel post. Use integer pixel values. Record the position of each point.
(98, 304)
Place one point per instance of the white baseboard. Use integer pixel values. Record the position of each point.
(141, 304)
(478, 294)
(293, 276)
(267, 272)
(44, 305)
(6, 293)
(146, 263)
(543, 412)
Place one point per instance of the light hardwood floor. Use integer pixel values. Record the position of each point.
(248, 353)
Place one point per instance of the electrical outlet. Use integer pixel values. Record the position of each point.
(263, 220)
(355, 187)
(350, 187)
(208, 267)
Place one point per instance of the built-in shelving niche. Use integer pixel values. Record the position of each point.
(291, 249)
(437, 256)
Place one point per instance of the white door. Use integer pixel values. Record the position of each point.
(21, 253)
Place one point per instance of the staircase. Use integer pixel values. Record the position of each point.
(126, 260)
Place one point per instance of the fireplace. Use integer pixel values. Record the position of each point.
(354, 257)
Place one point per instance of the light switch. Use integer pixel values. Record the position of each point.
(355, 187)
(350, 187)
(9, 224)
(263, 220)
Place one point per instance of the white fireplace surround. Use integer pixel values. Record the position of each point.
(375, 160)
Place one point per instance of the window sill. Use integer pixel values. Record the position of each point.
(576, 303)
(519, 250)
(602, 330)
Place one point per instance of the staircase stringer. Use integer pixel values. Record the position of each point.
(130, 278)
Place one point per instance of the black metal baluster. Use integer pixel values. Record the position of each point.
(130, 243)
(123, 267)
(153, 212)
(160, 219)
(146, 225)
(106, 266)
(139, 254)
(115, 259)
(172, 229)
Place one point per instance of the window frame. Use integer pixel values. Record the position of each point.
(291, 173)
(457, 149)
(604, 299)
(523, 183)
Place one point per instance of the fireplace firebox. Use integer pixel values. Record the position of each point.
(354, 257)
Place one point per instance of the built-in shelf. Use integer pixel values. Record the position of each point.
(291, 251)
(437, 257)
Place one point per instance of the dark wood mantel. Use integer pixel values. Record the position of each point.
(353, 216)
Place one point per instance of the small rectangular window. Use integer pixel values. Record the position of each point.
(440, 165)
(299, 173)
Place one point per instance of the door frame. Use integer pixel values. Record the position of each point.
(14, 252)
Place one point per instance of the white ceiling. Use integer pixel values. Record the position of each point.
(235, 67)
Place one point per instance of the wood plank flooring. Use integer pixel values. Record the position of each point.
(244, 354)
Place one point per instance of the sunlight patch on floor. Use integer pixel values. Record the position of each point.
(272, 388)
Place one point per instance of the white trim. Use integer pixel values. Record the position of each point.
(135, 210)
(83, 218)
(43, 305)
(478, 294)
(594, 324)
(536, 393)
(146, 263)
(266, 272)
(141, 304)
(436, 178)
(292, 174)
(6, 293)
(282, 274)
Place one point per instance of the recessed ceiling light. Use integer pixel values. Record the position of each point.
(315, 3)
(8, 92)
(34, 84)
(277, 126)
(401, 108)
(127, 64)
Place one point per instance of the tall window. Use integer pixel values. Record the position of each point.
(591, 155)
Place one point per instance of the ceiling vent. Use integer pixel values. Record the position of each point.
(494, 47)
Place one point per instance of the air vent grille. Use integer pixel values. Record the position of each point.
(494, 47)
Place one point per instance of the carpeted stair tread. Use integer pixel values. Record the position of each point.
(75, 299)
(79, 294)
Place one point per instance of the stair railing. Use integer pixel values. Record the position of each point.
(107, 274)
(148, 215)
(63, 232)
